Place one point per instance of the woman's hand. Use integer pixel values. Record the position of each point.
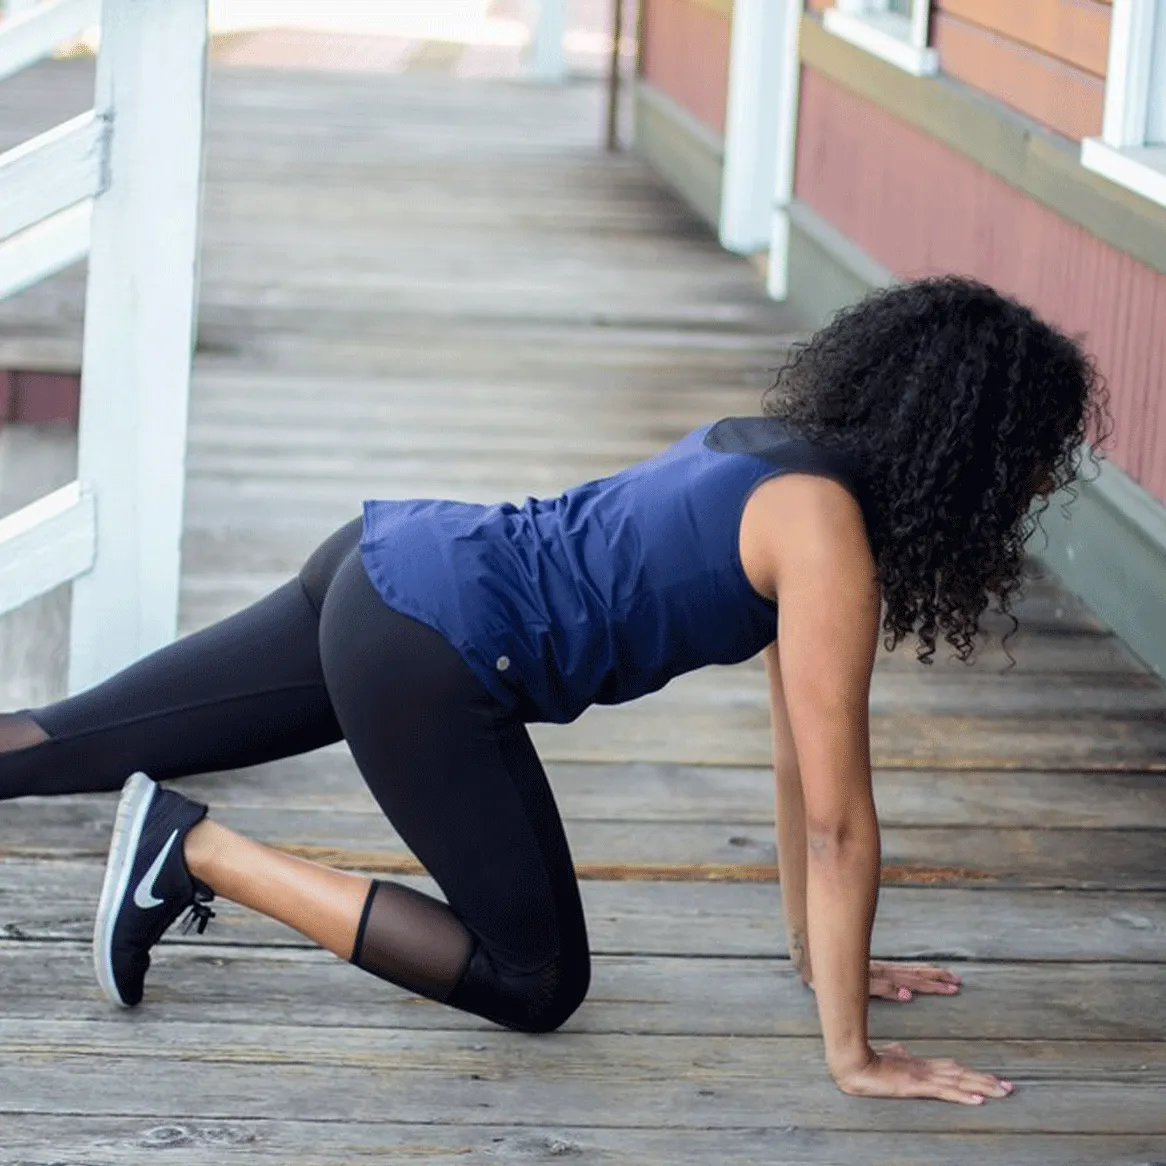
(902, 982)
(893, 1072)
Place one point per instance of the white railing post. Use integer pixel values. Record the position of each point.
(139, 330)
(788, 62)
(756, 91)
(547, 60)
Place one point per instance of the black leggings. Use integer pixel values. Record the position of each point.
(324, 658)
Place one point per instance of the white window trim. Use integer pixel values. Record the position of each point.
(1121, 153)
(897, 39)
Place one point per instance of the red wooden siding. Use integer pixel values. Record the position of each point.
(1073, 31)
(1045, 58)
(919, 208)
(38, 397)
(1058, 95)
(686, 54)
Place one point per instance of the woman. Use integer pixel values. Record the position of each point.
(889, 482)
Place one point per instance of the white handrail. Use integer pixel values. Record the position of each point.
(45, 249)
(28, 36)
(52, 172)
(47, 543)
(121, 183)
(546, 59)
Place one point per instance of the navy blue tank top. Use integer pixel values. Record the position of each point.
(606, 592)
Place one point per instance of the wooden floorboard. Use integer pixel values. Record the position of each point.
(193, 1141)
(228, 984)
(417, 288)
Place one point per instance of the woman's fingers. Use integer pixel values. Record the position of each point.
(969, 1081)
(983, 1083)
(964, 1087)
(885, 990)
(922, 971)
(947, 1093)
(901, 992)
(902, 982)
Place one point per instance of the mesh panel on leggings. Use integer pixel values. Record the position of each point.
(412, 940)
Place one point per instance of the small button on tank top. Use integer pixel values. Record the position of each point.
(606, 592)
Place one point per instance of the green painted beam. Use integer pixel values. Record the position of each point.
(686, 153)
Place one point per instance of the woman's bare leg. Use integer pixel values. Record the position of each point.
(321, 903)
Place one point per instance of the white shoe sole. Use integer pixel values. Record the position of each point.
(136, 796)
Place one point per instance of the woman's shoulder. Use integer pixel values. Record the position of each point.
(797, 520)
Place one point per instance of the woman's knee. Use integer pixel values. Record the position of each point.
(527, 1001)
(545, 1006)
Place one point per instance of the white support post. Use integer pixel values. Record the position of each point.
(547, 60)
(139, 330)
(789, 67)
(754, 113)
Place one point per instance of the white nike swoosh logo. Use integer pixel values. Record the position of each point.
(144, 892)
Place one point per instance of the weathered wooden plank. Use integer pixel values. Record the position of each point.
(729, 727)
(636, 850)
(56, 900)
(246, 1071)
(327, 780)
(740, 736)
(129, 1141)
(661, 994)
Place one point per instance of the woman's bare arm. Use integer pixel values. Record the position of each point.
(828, 612)
(790, 822)
(824, 580)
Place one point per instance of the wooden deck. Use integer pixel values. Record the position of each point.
(414, 287)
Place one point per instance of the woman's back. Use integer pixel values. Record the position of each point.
(605, 592)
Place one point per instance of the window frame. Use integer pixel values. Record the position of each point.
(900, 40)
(1122, 153)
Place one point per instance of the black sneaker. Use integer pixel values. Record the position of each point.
(147, 885)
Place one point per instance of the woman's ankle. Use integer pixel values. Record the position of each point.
(202, 849)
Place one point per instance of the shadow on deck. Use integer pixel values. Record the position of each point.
(415, 288)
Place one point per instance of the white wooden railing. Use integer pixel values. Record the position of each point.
(121, 184)
(546, 58)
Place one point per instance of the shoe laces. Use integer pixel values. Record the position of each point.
(199, 914)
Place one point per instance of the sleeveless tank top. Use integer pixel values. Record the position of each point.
(606, 592)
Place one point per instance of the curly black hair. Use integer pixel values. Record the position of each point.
(957, 406)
